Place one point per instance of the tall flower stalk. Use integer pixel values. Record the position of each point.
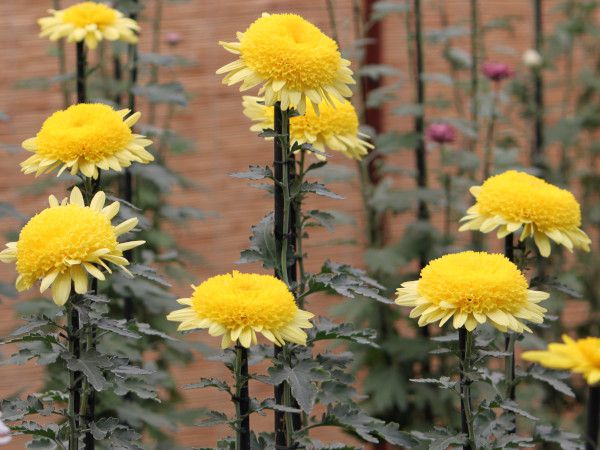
(465, 340)
(537, 149)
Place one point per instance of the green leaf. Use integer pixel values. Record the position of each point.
(551, 378)
(91, 364)
(315, 188)
(301, 378)
(168, 93)
(262, 244)
(254, 173)
(325, 329)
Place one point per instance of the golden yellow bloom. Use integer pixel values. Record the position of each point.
(335, 127)
(90, 22)
(66, 240)
(239, 305)
(292, 59)
(578, 356)
(84, 138)
(514, 199)
(473, 288)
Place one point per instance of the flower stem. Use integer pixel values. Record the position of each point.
(474, 70)
(509, 338)
(80, 57)
(74, 384)
(593, 418)
(488, 150)
(242, 399)
(62, 64)
(465, 341)
(537, 150)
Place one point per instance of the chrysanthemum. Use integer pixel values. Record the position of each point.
(578, 356)
(239, 305)
(292, 59)
(335, 127)
(514, 199)
(65, 242)
(472, 288)
(90, 22)
(84, 138)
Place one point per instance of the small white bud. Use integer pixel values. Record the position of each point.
(532, 59)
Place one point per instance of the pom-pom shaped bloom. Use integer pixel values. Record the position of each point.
(84, 138)
(239, 305)
(497, 71)
(292, 59)
(514, 199)
(90, 22)
(63, 242)
(472, 288)
(578, 356)
(532, 59)
(335, 128)
(442, 133)
(5, 436)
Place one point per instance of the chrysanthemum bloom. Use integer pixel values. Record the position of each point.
(90, 22)
(292, 60)
(5, 436)
(514, 199)
(532, 59)
(84, 138)
(472, 288)
(172, 38)
(497, 71)
(63, 242)
(578, 356)
(335, 128)
(442, 133)
(239, 305)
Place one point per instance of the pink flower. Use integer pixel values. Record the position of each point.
(497, 71)
(442, 133)
(172, 38)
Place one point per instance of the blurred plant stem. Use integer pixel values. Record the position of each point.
(537, 150)
(62, 64)
(465, 340)
(155, 48)
(488, 148)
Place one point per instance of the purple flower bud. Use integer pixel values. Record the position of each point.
(497, 71)
(442, 133)
(172, 38)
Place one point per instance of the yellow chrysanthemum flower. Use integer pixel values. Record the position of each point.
(473, 288)
(63, 242)
(90, 22)
(84, 138)
(335, 127)
(514, 199)
(239, 305)
(292, 59)
(578, 356)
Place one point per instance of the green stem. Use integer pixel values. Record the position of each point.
(74, 388)
(466, 348)
(299, 234)
(242, 399)
(155, 48)
(489, 137)
(285, 187)
(62, 64)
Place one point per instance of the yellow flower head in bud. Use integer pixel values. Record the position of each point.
(334, 128)
(84, 138)
(514, 199)
(65, 242)
(239, 305)
(472, 288)
(90, 22)
(577, 356)
(291, 59)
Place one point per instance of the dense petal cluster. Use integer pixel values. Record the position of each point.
(442, 133)
(239, 305)
(84, 138)
(514, 199)
(61, 255)
(335, 127)
(291, 59)
(578, 356)
(90, 22)
(473, 288)
(497, 71)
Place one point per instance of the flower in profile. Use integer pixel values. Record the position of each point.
(441, 133)
(578, 356)
(515, 199)
(65, 242)
(497, 71)
(90, 22)
(292, 59)
(172, 38)
(335, 128)
(239, 305)
(532, 59)
(84, 138)
(473, 288)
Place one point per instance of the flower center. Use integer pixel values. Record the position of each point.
(474, 282)
(285, 47)
(341, 120)
(65, 232)
(90, 131)
(239, 300)
(520, 197)
(88, 13)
